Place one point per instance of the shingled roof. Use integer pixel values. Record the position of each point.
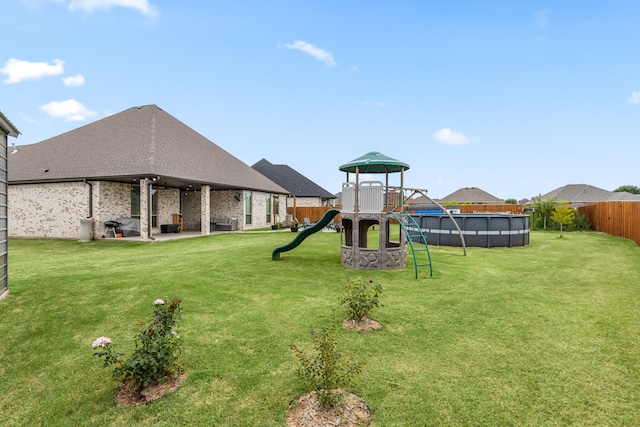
(584, 193)
(295, 183)
(471, 195)
(135, 143)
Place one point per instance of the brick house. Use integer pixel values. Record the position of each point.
(140, 164)
(305, 191)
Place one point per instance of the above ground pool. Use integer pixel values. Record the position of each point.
(479, 230)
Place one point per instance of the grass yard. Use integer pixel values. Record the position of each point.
(547, 334)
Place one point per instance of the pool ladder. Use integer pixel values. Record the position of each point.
(413, 231)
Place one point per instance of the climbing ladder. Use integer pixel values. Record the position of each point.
(412, 230)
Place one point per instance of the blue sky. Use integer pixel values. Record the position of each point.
(516, 98)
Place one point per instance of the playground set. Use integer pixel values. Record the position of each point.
(369, 204)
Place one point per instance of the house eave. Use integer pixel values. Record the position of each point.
(7, 126)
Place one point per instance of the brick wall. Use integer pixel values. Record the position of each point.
(47, 210)
(304, 201)
(54, 210)
(191, 210)
(168, 205)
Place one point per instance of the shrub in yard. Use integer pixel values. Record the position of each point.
(157, 348)
(359, 298)
(327, 371)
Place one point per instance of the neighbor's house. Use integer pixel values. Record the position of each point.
(140, 164)
(6, 129)
(471, 195)
(577, 194)
(302, 191)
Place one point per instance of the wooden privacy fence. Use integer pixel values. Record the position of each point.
(314, 213)
(504, 208)
(620, 219)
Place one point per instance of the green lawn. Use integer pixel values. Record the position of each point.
(547, 334)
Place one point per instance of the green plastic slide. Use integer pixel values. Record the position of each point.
(313, 228)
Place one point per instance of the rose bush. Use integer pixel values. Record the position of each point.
(157, 348)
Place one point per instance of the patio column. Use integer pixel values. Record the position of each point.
(145, 206)
(205, 209)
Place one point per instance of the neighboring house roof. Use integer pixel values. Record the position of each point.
(138, 142)
(576, 193)
(7, 127)
(420, 200)
(295, 183)
(471, 195)
(622, 196)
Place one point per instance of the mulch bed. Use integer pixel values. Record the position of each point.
(127, 395)
(365, 324)
(307, 411)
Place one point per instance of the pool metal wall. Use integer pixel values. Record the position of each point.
(479, 230)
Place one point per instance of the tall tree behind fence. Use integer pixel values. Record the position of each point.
(620, 219)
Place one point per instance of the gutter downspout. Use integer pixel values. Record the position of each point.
(149, 207)
(90, 198)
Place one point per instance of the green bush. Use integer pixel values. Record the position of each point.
(157, 349)
(579, 223)
(327, 371)
(359, 298)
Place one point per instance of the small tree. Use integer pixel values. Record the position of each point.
(327, 371)
(563, 214)
(511, 202)
(542, 209)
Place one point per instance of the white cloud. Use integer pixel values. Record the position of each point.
(634, 98)
(70, 110)
(451, 137)
(540, 18)
(73, 80)
(316, 52)
(18, 71)
(89, 6)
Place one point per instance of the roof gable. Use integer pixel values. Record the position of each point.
(471, 195)
(574, 193)
(294, 182)
(140, 141)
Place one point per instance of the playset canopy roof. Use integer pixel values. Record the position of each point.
(374, 162)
